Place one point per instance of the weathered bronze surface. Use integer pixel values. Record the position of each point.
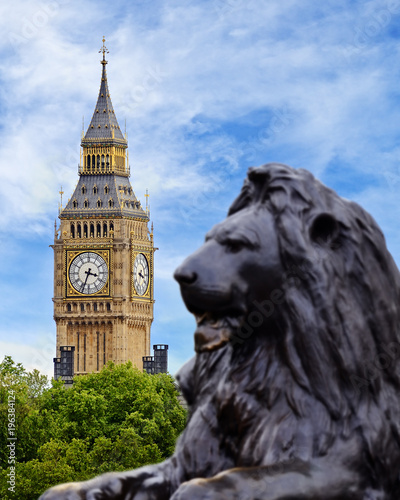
(294, 392)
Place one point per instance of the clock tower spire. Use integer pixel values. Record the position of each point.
(103, 252)
(104, 146)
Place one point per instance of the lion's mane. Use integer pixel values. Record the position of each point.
(322, 379)
(338, 352)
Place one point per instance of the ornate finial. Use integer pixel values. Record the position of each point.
(61, 192)
(147, 203)
(105, 51)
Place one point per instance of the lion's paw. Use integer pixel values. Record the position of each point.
(199, 489)
(105, 487)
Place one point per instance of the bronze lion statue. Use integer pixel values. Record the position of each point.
(294, 391)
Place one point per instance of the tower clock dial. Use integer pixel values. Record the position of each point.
(141, 274)
(88, 273)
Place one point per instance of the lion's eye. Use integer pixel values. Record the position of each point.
(234, 245)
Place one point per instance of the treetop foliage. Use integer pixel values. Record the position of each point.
(117, 419)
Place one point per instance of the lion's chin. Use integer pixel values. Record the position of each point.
(212, 334)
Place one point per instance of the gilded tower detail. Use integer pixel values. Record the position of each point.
(103, 253)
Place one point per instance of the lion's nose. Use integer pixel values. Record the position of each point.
(184, 276)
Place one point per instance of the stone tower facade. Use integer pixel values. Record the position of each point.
(103, 253)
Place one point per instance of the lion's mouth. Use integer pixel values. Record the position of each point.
(214, 331)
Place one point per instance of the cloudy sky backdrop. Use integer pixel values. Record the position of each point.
(207, 88)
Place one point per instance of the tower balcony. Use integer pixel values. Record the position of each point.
(104, 168)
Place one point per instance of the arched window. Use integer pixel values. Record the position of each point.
(105, 230)
(93, 162)
(82, 307)
(69, 308)
(75, 204)
(111, 203)
(92, 230)
(88, 161)
(95, 307)
(108, 306)
(102, 163)
(79, 230)
(83, 190)
(99, 203)
(98, 162)
(108, 162)
(72, 231)
(95, 189)
(111, 227)
(86, 204)
(106, 189)
(85, 230)
(98, 230)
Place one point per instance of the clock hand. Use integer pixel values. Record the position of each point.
(87, 276)
(141, 275)
(88, 273)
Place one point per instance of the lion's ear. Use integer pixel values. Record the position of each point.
(324, 229)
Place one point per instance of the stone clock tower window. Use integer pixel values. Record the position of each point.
(104, 256)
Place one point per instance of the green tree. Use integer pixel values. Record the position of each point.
(117, 419)
(21, 390)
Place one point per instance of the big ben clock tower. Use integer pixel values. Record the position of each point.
(103, 253)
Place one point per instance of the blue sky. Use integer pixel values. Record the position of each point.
(207, 89)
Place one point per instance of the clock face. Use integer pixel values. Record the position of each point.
(88, 273)
(141, 274)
